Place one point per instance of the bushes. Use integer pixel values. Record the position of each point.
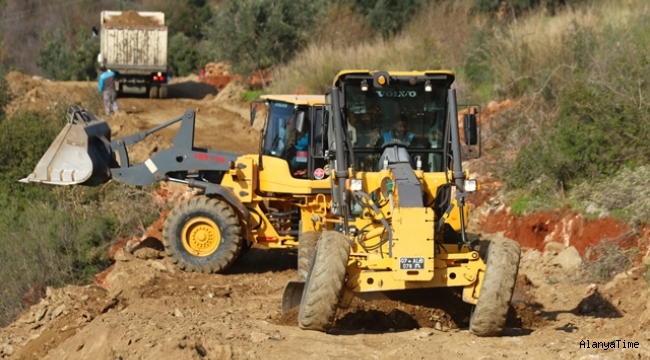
(73, 58)
(584, 115)
(55, 235)
(256, 34)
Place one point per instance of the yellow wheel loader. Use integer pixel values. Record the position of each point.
(398, 202)
(277, 198)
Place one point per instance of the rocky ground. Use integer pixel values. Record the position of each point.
(144, 307)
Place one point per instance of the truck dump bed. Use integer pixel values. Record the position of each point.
(134, 42)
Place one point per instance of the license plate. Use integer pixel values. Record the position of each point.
(411, 263)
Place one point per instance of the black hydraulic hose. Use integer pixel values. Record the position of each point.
(383, 220)
(283, 214)
(259, 216)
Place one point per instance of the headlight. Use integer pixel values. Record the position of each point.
(471, 185)
(356, 185)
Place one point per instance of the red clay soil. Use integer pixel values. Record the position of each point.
(566, 227)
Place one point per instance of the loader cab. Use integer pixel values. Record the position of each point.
(293, 132)
(397, 116)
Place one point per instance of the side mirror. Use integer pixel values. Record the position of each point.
(471, 131)
(300, 121)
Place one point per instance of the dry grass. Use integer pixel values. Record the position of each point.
(426, 43)
(536, 47)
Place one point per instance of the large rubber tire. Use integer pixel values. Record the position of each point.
(306, 248)
(491, 311)
(324, 283)
(162, 92)
(153, 92)
(203, 234)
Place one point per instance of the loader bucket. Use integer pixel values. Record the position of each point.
(292, 295)
(80, 154)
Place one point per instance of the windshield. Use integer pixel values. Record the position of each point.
(401, 114)
(280, 129)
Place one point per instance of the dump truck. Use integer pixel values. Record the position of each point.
(399, 212)
(134, 45)
(263, 198)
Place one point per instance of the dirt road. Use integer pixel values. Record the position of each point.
(149, 309)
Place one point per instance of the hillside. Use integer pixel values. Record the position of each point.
(143, 307)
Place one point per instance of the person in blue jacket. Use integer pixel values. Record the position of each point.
(398, 134)
(107, 89)
(299, 159)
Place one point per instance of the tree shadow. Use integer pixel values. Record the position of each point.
(185, 90)
(190, 90)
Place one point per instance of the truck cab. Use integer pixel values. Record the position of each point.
(293, 135)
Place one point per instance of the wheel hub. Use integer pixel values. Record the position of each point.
(201, 236)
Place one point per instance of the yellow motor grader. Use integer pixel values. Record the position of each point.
(277, 198)
(398, 202)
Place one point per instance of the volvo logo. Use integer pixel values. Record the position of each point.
(397, 94)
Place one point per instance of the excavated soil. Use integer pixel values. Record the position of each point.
(131, 18)
(144, 307)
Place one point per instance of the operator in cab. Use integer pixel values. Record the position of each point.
(398, 135)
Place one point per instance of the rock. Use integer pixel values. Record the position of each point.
(147, 253)
(178, 313)
(200, 349)
(568, 258)
(553, 248)
(123, 255)
(157, 265)
(40, 313)
(6, 350)
(58, 311)
(258, 337)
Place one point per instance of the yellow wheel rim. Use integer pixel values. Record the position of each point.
(201, 236)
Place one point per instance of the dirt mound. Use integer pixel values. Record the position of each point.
(131, 18)
(19, 83)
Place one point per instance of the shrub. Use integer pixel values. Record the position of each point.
(585, 121)
(601, 262)
(183, 56)
(627, 193)
(53, 236)
(257, 34)
(388, 17)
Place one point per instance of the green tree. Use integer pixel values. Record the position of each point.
(55, 56)
(69, 57)
(183, 55)
(256, 34)
(389, 16)
(188, 17)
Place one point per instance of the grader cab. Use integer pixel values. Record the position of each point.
(244, 199)
(398, 202)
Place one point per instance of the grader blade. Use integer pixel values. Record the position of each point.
(292, 295)
(80, 154)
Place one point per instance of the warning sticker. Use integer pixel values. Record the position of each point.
(319, 173)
